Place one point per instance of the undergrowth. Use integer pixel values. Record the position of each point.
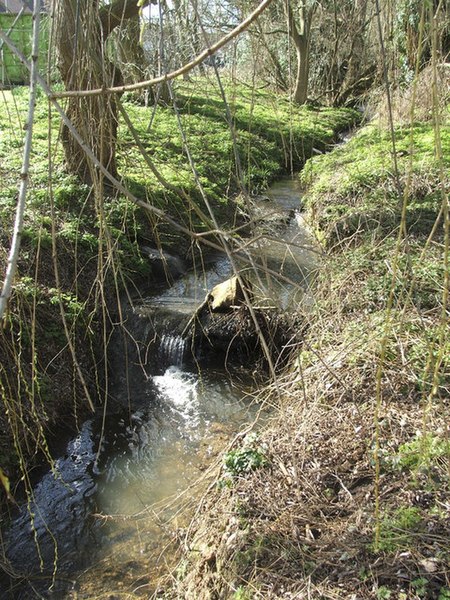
(357, 188)
(354, 500)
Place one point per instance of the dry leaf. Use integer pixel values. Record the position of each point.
(429, 564)
(4, 481)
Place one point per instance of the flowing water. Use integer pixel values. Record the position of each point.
(105, 520)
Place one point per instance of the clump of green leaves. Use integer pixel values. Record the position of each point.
(422, 452)
(250, 456)
(420, 586)
(383, 593)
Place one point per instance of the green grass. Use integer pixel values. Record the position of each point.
(270, 137)
(356, 188)
(266, 129)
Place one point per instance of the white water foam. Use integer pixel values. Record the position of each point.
(179, 389)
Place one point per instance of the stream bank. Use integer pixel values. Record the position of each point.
(102, 243)
(352, 497)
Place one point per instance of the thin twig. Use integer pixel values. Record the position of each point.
(24, 174)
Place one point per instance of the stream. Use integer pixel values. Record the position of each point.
(106, 519)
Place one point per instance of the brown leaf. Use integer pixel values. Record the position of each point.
(4, 480)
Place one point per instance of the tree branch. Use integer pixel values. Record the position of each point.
(24, 175)
(181, 71)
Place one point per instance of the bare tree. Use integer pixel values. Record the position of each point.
(360, 63)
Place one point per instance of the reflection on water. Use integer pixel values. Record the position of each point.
(284, 254)
(115, 501)
(165, 448)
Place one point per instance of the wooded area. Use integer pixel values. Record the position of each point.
(137, 155)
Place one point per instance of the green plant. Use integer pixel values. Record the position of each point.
(396, 529)
(72, 306)
(363, 574)
(242, 593)
(419, 586)
(383, 593)
(422, 452)
(248, 457)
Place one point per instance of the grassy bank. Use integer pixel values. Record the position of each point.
(349, 497)
(79, 250)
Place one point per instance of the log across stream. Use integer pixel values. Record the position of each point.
(103, 521)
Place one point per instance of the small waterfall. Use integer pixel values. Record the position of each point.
(172, 350)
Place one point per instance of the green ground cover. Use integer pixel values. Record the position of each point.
(357, 187)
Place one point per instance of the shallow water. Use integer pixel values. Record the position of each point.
(138, 496)
(110, 514)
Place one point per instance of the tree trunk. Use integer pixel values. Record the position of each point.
(299, 32)
(80, 31)
(300, 94)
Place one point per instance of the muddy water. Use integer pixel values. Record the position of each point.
(106, 521)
